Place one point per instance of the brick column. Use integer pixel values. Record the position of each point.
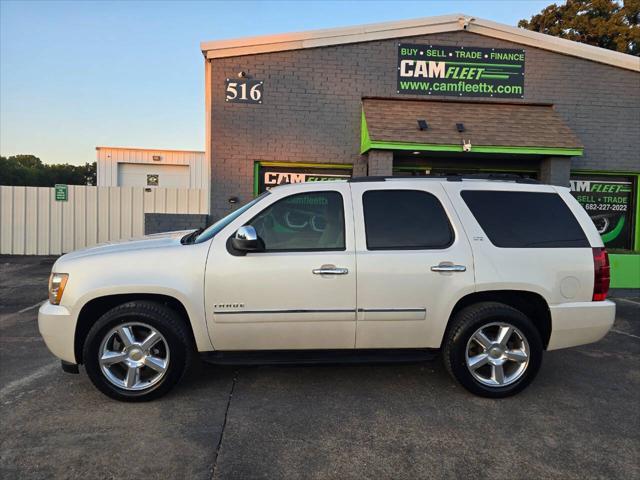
(360, 166)
(555, 171)
(380, 163)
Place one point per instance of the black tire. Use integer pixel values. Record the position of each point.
(465, 323)
(165, 321)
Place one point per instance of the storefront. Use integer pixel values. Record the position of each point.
(443, 95)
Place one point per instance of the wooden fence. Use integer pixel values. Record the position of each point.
(32, 222)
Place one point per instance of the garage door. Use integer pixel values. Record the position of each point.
(149, 175)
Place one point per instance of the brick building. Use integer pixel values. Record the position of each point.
(441, 95)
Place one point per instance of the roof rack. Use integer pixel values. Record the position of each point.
(501, 177)
(504, 177)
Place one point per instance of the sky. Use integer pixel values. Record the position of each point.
(78, 74)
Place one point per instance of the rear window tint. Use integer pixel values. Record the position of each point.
(525, 219)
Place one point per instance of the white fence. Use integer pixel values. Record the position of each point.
(32, 222)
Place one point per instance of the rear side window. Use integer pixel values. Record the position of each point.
(525, 219)
(405, 220)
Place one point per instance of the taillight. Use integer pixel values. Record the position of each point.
(601, 274)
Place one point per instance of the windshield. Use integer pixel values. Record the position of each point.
(213, 230)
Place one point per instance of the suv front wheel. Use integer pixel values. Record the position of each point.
(137, 351)
(492, 349)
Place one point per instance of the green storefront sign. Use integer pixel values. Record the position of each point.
(612, 200)
(609, 201)
(272, 174)
(61, 192)
(460, 71)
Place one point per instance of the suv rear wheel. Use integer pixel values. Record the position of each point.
(492, 349)
(137, 351)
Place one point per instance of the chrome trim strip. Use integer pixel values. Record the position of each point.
(249, 312)
(385, 310)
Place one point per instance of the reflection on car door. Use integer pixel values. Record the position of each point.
(297, 294)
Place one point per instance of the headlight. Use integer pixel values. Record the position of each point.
(57, 282)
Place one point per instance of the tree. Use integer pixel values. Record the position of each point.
(28, 170)
(603, 23)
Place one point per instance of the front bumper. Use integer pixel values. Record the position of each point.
(58, 326)
(580, 323)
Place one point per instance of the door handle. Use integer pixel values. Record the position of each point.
(330, 270)
(448, 267)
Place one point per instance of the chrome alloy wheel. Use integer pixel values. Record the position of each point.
(497, 354)
(134, 356)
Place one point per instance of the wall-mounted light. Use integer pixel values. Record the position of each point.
(233, 200)
(157, 158)
(460, 127)
(422, 124)
(416, 153)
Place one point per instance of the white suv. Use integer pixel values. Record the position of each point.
(489, 273)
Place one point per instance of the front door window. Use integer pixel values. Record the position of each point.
(311, 221)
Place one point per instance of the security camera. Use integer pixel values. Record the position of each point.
(465, 21)
(242, 74)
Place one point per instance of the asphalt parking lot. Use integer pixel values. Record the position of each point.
(579, 419)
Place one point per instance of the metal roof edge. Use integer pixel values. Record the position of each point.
(105, 147)
(414, 27)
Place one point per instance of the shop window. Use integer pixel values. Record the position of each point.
(609, 201)
(311, 221)
(405, 220)
(525, 219)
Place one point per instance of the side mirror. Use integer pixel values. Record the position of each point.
(246, 240)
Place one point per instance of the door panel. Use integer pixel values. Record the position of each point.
(402, 303)
(273, 300)
(169, 176)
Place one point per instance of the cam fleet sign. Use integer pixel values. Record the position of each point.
(609, 202)
(269, 177)
(460, 71)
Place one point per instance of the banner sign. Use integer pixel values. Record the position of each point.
(460, 71)
(243, 90)
(609, 202)
(269, 177)
(153, 180)
(61, 192)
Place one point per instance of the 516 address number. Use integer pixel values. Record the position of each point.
(243, 91)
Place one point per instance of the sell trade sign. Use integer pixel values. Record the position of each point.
(609, 202)
(460, 71)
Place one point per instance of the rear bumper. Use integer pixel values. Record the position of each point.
(580, 323)
(57, 327)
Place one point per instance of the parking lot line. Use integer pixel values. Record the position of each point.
(627, 300)
(625, 333)
(11, 387)
(26, 309)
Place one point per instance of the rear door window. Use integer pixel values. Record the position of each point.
(405, 220)
(525, 219)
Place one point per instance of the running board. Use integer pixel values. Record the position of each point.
(319, 357)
